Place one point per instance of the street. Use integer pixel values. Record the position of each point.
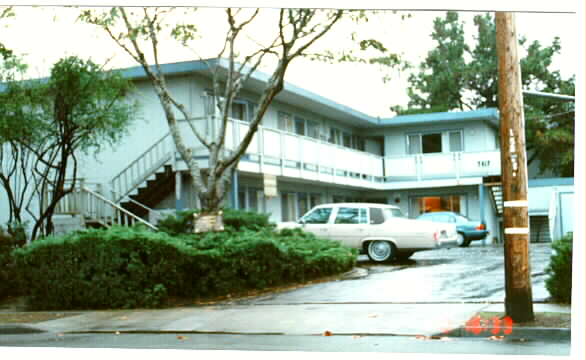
(390, 308)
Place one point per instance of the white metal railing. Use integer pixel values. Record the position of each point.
(442, 165)
(142, 167)
(95, 207)
(284, 149)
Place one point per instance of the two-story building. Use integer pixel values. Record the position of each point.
(314, 149)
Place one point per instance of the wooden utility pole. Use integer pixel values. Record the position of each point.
(518, 298)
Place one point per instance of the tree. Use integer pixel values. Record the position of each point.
(45, 125)
(455, 76)
(294, 32)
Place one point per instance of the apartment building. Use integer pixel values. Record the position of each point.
(308, 150)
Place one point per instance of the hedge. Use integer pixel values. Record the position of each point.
(559, 282)
(12, 236)
(234, 220)
(134, 267)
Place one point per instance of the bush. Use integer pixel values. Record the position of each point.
(131, 267)
(13, 236)
(559, 282)
(114, 268)
(234, 220)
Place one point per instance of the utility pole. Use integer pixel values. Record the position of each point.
(518, 298)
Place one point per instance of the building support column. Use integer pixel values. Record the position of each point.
(234, 195)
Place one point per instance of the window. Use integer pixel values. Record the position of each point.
(456, 141)
(347, 139)
(312, 129)
(251, 199)
(239, 111)
(351, 216)
(302, 203)
(431, 143)
(288, 207)
(299, 126)
(376, 216)
(285, 122)
(314, 199)
(358, 143)
(426, 204)
(335, 136)
(318, 216)
(414, 144)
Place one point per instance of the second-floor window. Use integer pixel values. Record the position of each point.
(429, 143)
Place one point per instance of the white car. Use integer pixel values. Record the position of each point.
(380, 231)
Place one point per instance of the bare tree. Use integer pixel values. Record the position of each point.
(296, 30)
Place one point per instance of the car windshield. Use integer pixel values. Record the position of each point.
(317, 216)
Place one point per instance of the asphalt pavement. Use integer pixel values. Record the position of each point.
(402, 307)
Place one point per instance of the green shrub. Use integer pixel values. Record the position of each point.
(13, 236)
(559, 282)
(128, 267)
(114, 268)
(234, 220)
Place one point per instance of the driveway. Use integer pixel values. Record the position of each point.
(473, 274)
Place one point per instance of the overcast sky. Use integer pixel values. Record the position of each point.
(45, 34)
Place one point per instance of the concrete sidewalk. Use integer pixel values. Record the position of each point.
(302, 319)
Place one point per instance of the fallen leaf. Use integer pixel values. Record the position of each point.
(356, 337)
(117, 333)
(327, 333)
(61, 334)
(181, 337)
(421, 337)
(123, 318)
(496, 338)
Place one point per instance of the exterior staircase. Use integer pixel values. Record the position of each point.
(145, 181)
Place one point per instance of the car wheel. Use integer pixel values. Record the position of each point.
(380, 251)
(462, 241)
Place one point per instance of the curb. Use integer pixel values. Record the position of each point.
(19, 329)
(533, 333)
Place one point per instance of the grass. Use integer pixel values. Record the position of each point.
(31, 317)
(545, 320)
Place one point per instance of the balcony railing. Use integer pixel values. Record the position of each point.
(442, 166)
(281, 153)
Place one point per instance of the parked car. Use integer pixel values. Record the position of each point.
(380, 231)
(468, 230)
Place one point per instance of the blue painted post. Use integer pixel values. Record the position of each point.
(235, 189)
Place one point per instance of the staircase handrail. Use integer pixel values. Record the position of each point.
(119, 208)
(139, 177)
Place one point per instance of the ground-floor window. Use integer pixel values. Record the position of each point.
(251, 199)
(425, 204)
(296, 204)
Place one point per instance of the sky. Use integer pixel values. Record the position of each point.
(63, 35)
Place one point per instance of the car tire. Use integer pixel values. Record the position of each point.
(462, 241)
(381, 251)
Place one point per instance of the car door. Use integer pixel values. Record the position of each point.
(316, 221)
(349, 226)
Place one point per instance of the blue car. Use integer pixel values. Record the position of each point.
(468, 230)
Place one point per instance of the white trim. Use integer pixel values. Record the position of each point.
(516, 203)
(517, 231)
